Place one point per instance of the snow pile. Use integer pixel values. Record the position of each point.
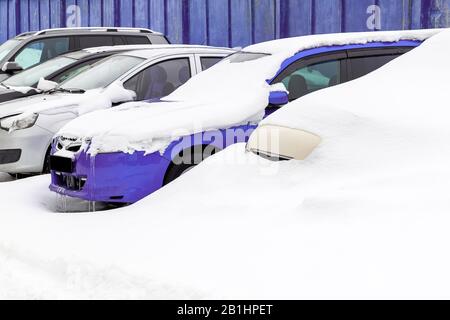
(365, 216)
(226, 95)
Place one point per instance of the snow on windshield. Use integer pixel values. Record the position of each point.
(223, 96)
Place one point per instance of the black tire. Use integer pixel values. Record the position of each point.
(46, 166)
(178, 168)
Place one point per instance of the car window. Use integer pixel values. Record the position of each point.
(103, 73)
(95, 41)
(136, 40)
(41, 50)
(160, 80)
(312, 78)
(7, 47)
(363, 65)
(74, 71)
(30, 77)
(208, 62)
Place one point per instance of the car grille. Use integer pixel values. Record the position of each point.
(71, 182)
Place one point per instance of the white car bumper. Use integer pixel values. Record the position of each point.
(23, 151)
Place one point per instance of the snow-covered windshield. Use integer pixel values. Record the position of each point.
(102, 73)
(7, 47)
(30, 77)
(243, 56)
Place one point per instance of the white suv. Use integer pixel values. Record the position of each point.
(27, 125)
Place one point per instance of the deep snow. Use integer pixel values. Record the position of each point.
(365, 216)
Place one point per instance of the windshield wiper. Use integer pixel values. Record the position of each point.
(4, 86)
(74, 90)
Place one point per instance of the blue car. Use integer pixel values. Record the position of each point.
(119, 177)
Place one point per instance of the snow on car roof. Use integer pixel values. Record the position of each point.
(296, 44)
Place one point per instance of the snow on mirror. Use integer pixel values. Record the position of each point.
(282, 143)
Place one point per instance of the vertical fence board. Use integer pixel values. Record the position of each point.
(174, 15)
(11, 18)
(126, 13)
(197, 22)
(327, 16)
(360, 9)
(264, 16)
(55, 14)
(157, 15)
(3, 21)
(141, 13)
(95, 13)
(218, 23)
(34, 15)
(44, 14)
(24, 16)
(241, 23)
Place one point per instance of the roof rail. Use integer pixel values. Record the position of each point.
(93, 29)
(24, 34)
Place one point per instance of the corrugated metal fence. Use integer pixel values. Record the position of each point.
(224, 22)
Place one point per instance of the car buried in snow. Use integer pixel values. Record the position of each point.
(123, 154)
(27, 125)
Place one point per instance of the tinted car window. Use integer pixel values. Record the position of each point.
(41, 50)
(160, 79)
(136, 40)
(312, 78)
(95, 41)
(363, 65)
(208, 62)
(74, 71)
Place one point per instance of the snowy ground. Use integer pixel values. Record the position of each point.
(365, 216)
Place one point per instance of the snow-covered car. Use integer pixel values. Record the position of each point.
(124, 154)
(57, 70)
(27, 125)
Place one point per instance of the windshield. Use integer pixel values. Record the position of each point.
(243, 56)
(30, 77)
(7, 47)
(102, 73)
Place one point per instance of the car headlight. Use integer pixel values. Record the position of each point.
(18, 122)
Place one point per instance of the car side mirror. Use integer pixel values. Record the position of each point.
(118, 94)
(11, 67)
(278, 98)
(282, 143)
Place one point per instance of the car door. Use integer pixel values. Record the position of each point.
(160, 78)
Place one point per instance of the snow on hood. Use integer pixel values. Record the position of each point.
(78, 103)
(223, 96)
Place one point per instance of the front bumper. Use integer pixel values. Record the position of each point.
(26, 147)
(111, 177)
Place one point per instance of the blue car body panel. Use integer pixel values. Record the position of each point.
(127, 178)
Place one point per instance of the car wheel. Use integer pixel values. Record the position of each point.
(46, 166)
(178, 168)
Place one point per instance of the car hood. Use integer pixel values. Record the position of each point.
(57, 102)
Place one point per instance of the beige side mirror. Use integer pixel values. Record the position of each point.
(282, 143)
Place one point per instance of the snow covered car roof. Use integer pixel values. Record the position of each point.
(296, 44)
(226, 95)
